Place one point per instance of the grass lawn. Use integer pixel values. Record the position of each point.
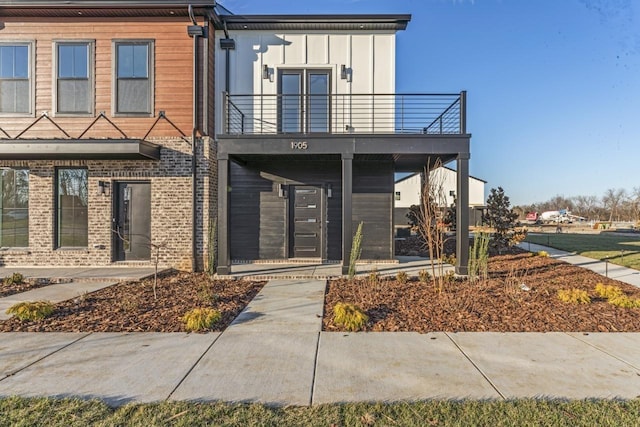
(621, 250)
(15, 411)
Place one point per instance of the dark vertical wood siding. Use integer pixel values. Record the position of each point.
(258, 217)
(373, 205)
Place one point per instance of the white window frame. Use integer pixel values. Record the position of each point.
(31, 69)
(92, 81)
(114, 73)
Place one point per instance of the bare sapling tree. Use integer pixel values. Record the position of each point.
(155, 248)
(429, 221)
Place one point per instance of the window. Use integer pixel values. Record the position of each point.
(397, 195)
(133, 90)
(74, 78)
(15, 78)
(14, 209)
(72, 201)
(304, 101)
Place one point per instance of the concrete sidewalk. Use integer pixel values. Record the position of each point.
(68, 282)
(613, 271)
(274, 353)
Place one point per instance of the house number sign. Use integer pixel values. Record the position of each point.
(299, 145)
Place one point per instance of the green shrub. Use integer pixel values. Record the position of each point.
(424, 276)
(14, 279)
(574, 296)
(449, 259)
(402, 277)
(200, 319)
(450, 277)
(350, 316)
(31, 310)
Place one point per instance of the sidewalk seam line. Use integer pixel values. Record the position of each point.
(46, 356)
(476, 366)
(604, 351)
(315, 370)
(193, 367)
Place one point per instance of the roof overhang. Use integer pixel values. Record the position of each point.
(74, 149)
(315, 22)
(105, 8)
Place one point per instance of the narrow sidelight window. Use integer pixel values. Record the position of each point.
(15, 78)
(72, 208)
(74, 78)
(133, 82)
(14, 208)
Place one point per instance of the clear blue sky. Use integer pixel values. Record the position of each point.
(553, 85)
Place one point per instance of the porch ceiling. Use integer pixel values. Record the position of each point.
(88, 149)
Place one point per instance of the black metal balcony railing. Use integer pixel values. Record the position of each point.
(438, 114)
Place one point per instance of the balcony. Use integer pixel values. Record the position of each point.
(343, 114)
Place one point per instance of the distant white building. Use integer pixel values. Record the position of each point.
(407, 193)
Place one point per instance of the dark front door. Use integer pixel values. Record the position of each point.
(132, 221)
(306, 221)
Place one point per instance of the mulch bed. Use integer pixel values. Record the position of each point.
(497, 304)
(7, 289)
(131, 307)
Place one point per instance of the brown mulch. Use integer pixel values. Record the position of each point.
(7, 289)
(497, 304)
(131, 307)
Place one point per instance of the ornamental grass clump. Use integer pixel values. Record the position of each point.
(574, 296)
(14, 279)
(402, 277)
(424, 276)
(200, 319)
(608, 291)
(31, 310)
(543, 254)
(350, 316)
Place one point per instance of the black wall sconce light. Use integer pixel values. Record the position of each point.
(103, 188)
(265, 71)
(282, 191)
(345, 73)
(329, 191)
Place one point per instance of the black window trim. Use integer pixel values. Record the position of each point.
(56, 214)
(28, 208)
(114, 77)
(31, 68)
(92, 80)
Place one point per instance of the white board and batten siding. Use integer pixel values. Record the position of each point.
(409, 188)
(368, 56)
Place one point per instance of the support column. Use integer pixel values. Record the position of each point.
(347, 193)
(224, 259)
(462, 214)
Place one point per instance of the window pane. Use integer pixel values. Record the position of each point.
(14, 211)
(318, 103)
(125, 60)
(65, 61)
(21, 66)
(80, 61)
(140, 61)
(72, 207)
(290, 104)
(6, 61)
(73, 96)
(133, 96)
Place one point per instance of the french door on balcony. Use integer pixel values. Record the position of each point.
(304, 102)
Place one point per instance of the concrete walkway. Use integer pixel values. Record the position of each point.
(67, 282)
(274, 353)
(613, 271)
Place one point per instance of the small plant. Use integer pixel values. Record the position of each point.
(574, 296)
(608, 291)
(206, 295)
(449, 259)
(624, 301)
(356, 251)
(479, 257)
(402, 277)
(424, 276)
(543, 254)
(450, 277)
(14, 279)
(200, 319)
(31, 310)
(211, 255)
(374, 277)
(350, 316)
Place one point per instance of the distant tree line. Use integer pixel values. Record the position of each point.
(614, 205)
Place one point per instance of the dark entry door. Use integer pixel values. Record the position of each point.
(306, 221)
(132, 221)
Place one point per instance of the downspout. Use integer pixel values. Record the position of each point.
(227, 65)
(194, 31)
